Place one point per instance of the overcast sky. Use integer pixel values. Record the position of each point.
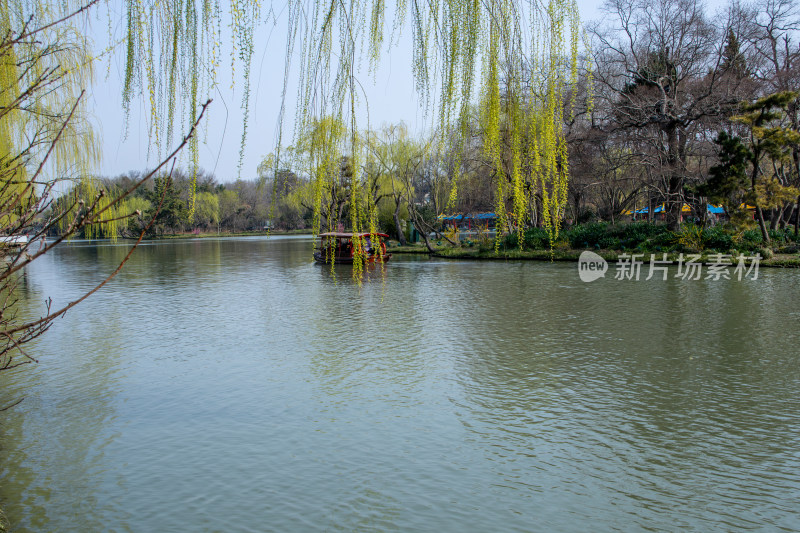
(391, 99)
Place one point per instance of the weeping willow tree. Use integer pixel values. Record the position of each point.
(518, 61)
(173, 51)
(328, 155)
(43, 126)
(528, 92)
(521, 57)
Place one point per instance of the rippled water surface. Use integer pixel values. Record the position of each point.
(233, 385)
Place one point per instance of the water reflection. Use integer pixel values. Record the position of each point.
(236, 385)
(56, 439)
(661, 403)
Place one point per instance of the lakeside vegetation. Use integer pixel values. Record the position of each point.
(610, 241)
(644, 237)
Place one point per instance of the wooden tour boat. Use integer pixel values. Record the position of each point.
(337, 247)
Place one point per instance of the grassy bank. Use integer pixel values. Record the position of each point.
(610, 241)
(776, 260)
(418, 248)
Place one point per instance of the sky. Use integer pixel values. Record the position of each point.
(390, 93)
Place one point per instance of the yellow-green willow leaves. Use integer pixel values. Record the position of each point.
(523, 109)
(44, 131)
(527, 56)
(41, 78)
(508, 64)
(89, 197)
(173, 52)
(526, 78)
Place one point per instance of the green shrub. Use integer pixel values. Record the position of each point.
(647, 237)
(536, 239)
(716, 238)
(587, 236)
(532, 239)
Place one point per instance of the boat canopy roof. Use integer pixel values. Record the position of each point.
(343, 235)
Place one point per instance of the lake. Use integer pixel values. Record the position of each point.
(234, 385)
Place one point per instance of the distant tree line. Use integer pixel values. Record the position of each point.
(240, 206)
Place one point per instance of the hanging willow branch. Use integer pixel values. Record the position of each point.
(526, 55)
(509, 64)
(17, 333)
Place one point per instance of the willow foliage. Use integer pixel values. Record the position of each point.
(526, 98)
(173, 50)
(517, 60)
(523, 57)
(43, 69)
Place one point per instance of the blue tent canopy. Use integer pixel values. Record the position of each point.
(481, 216)
(659, 209)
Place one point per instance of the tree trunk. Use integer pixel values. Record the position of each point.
(674, 203)
(576, 202)
(424, 229)
(774, 218)
(759, 212)
(797, 218)
(424, 234)
(762, 225)
(400, 234)
(675, 181)
(787, 219)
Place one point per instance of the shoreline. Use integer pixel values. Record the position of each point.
(186, 236)
(572, 255)
(229, 234)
